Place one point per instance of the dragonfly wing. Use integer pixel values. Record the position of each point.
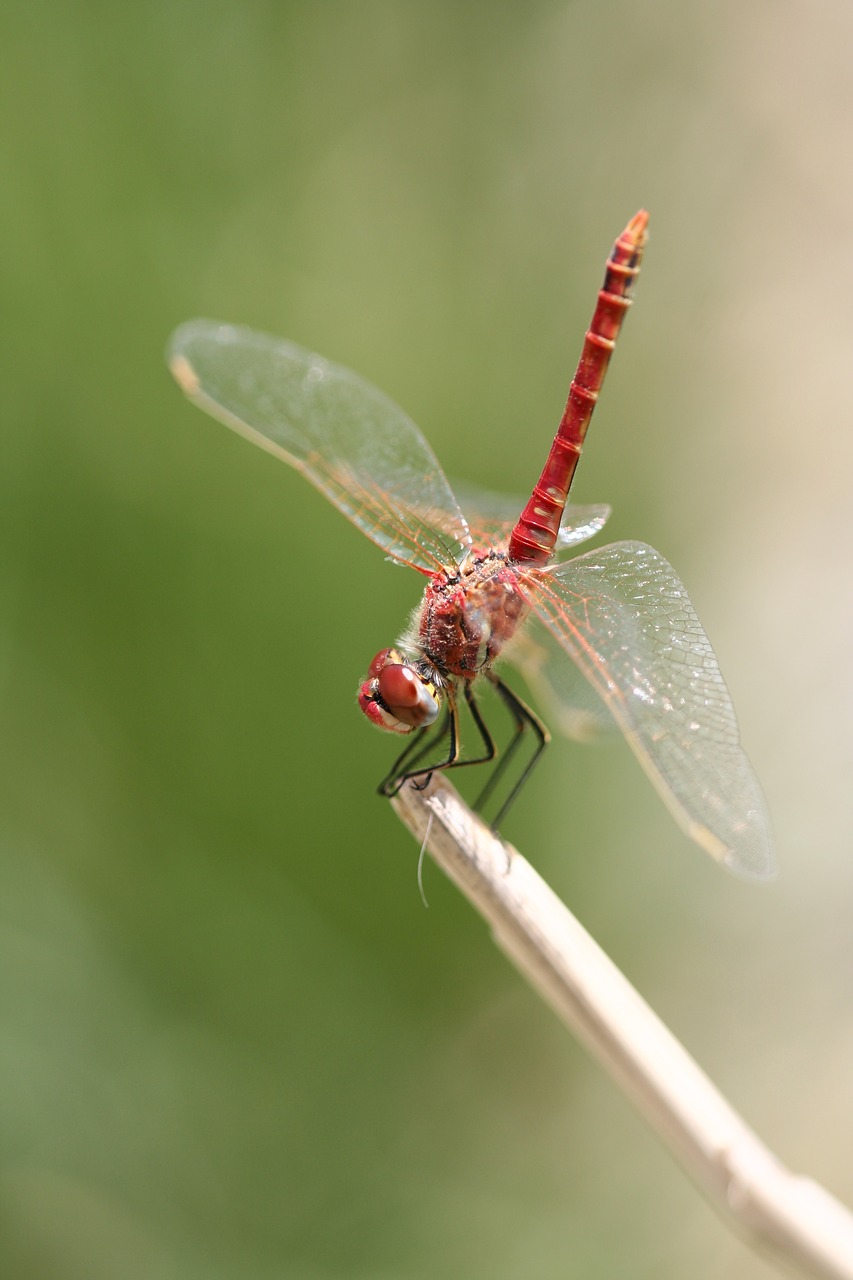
(574, 707)
(626, 620)
(581, 522)
(492, 516)
(353, 443)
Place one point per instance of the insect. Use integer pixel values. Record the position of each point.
(608, 636)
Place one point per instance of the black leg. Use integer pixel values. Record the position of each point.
(488, 741)
(407, 765)
(520, 722)
(422, 742)
(524, 719)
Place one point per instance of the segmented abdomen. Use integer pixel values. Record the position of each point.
(534, 536)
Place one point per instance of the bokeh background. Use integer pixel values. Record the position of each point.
(232, 1041)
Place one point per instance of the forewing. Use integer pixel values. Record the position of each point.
(344, 435)
(491, 517)
(625, 618)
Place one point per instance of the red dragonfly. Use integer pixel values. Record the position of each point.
(609, 636)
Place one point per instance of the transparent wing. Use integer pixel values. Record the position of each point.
(574, 708)
(625, 619)
(491, 517)
(346, 437)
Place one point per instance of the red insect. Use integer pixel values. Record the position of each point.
(608, 636)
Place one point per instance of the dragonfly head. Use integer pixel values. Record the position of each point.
(398, 694)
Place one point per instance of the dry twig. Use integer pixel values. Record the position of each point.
(787, 1216)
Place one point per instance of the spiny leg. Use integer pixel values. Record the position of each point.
(482, 729)
(453, 761)
(521, 722)
(449, 728)
(524, 719)
(406, 767)
(426, 744)
(421, 742)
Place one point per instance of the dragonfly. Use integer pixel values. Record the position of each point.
(608, 638)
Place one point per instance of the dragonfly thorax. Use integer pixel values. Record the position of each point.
(467, 617)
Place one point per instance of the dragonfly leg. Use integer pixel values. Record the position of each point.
(407, 765)
(415, 748)
(426, 748)
(453, 761)
(524, 719)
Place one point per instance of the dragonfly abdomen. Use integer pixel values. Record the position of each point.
(533, 539)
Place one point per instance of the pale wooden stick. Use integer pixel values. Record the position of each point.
(790, 1217)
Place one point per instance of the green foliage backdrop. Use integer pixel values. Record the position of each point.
(232, 1041)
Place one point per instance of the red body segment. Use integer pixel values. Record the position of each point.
(466, 618)
(534, 536)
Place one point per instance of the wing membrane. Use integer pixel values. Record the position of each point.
(625, 619)
(353, 443)
(573, 706)
(491, 517)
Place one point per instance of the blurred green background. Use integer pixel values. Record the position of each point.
(232, 1041)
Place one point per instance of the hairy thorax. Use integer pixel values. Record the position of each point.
(466, 618)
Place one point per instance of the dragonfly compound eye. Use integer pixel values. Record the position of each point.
(383, 657)
(395, 696)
